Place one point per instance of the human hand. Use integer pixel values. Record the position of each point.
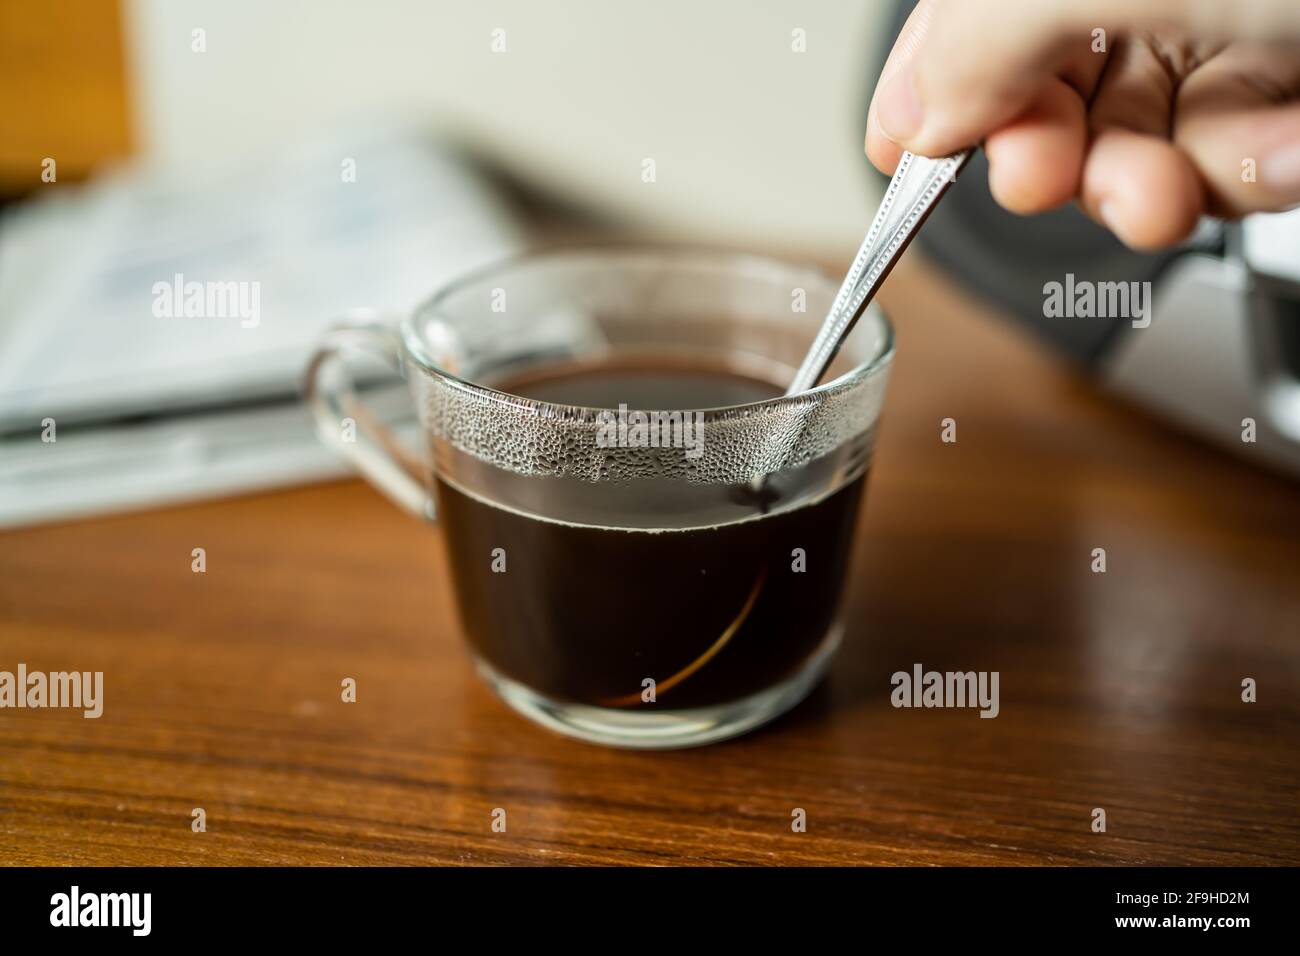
(1149, 113)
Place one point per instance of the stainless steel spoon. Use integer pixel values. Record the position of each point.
(914, 191)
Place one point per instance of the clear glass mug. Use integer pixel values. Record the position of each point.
(652, 586)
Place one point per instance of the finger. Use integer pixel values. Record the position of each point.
(1036, 161)
(1142, 188)
(1238, 119)
(883, 152)
(978, 66)
(1135, 181)
(1083, 69)
(1141, 81)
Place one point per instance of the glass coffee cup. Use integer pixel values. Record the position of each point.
(648, 541)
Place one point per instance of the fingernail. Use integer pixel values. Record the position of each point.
(1280, 170)
(898, 111)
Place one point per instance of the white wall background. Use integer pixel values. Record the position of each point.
(754, 144)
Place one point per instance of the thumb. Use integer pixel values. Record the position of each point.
(974, 68)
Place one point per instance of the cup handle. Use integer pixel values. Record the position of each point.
(331, 395)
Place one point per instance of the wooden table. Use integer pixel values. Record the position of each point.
(1118, 690)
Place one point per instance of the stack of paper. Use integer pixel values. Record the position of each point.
(154, 326)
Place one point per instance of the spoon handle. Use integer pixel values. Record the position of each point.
(914, 191)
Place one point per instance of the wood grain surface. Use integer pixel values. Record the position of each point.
(1118, 690)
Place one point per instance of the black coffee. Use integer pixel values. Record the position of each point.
(587, 612)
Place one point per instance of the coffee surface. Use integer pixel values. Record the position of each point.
(588, 612)
(641, 385)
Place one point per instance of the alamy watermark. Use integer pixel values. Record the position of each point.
(636, 429)
(82, 690)
(923, 688)
(75, 908)
(1083, 299)
(179, 299)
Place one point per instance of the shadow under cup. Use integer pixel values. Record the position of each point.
(661, 563)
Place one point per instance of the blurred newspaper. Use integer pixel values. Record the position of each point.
(154, 326)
